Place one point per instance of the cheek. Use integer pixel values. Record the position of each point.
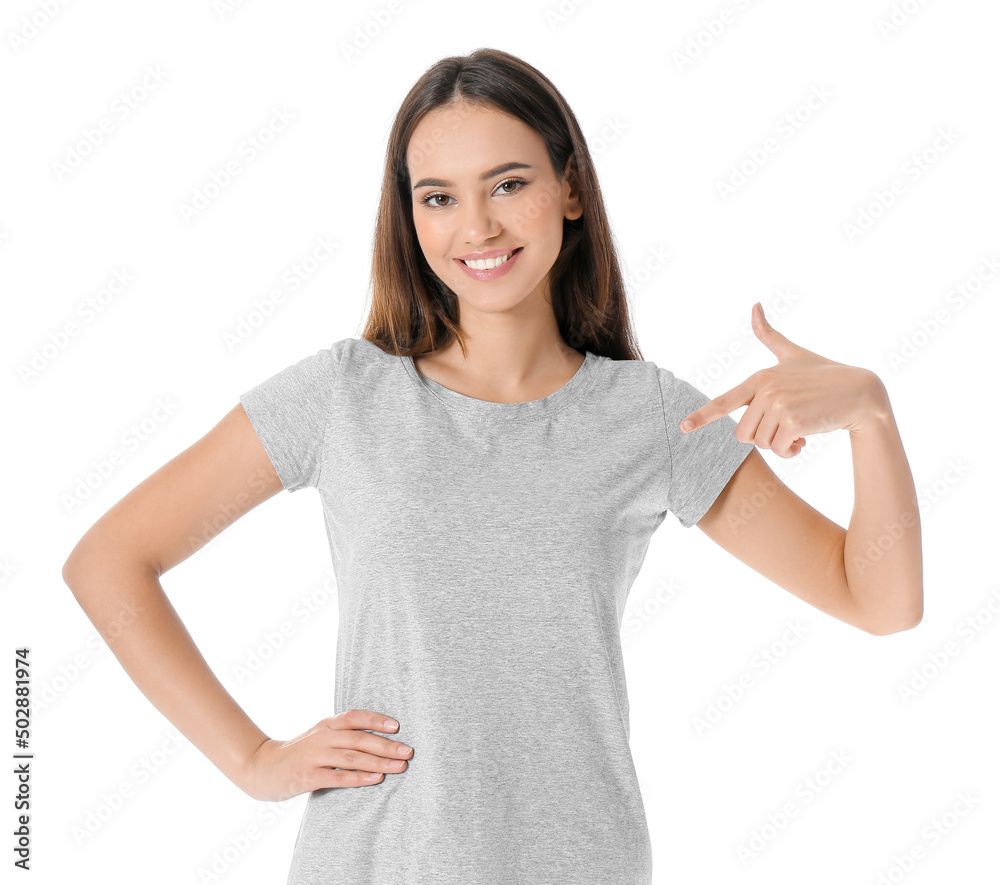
(538, 218)
(425, 235)
(546, 228)
(429, 222)
(541, 215)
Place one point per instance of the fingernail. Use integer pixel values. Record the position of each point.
(687, 424)
(391, 723)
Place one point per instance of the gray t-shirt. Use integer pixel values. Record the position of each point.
(483, 554)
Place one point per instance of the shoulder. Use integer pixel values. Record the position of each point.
(360, 358)
(626, 375)
(678, 392)
(348, 356)
(645, 380)
(634, 371)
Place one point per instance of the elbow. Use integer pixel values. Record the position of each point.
(73, 567)
(897, 627)
(90, 555)
(891, 613)
(90, 567)
(78, 565)
(914, 622)
(71, 572)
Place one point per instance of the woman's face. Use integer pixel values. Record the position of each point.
(483, 182)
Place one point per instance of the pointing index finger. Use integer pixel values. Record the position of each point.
(723, 404)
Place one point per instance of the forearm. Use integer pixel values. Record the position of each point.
(127, 605)
(882, 552)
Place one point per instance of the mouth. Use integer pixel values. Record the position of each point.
(490, 263)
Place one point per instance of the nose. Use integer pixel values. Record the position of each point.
(477, 222)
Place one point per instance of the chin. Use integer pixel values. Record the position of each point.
(494, 305)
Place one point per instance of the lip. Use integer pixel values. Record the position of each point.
(482, 256)
(492, 273)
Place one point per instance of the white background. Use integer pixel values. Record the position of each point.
(665, 128)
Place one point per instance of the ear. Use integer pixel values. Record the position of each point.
(572, 206)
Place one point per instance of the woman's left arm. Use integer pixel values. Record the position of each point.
(882, 554)
(870, 575)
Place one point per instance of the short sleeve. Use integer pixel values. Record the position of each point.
(702, 461)
(290, 412)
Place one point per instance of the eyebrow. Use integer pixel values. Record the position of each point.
(486, 176)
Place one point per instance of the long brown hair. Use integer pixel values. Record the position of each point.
(413, 311)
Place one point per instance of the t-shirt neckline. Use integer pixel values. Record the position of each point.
(491, 411)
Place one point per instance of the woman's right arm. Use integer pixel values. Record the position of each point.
(114, 573)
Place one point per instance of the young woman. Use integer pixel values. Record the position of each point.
(493, 456)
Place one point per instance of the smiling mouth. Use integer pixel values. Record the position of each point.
(490, 263)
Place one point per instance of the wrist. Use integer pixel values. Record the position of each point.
(240, 768)
(874, 410)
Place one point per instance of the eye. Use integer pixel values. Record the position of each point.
(426, 200)
(518, 181)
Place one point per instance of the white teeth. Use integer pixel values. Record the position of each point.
(489, 262)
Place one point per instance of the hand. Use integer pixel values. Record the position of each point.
(805, 393)
(333, 753)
